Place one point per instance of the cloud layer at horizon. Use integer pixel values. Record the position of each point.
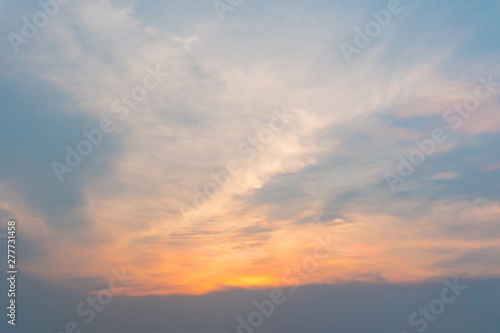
(322, 176)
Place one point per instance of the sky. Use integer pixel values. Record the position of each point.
(216, 151)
